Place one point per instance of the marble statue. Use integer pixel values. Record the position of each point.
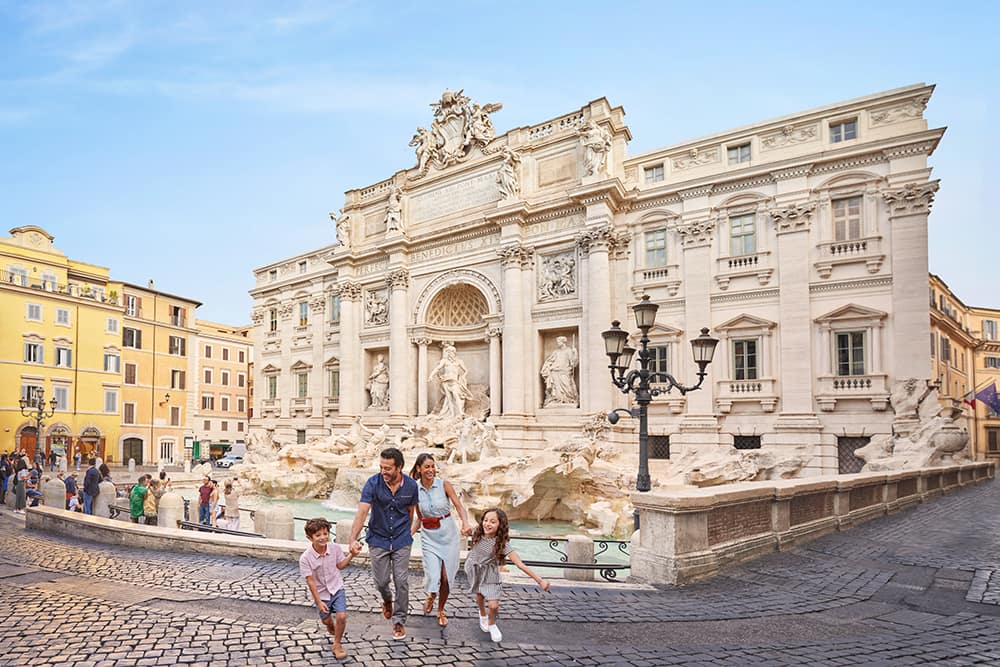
(459, 125)
(394, 210)
(596, 145)
(557, 277)
(924, 433)
(376, 309)
(354, 439)
(426, 144)
(343, 226)
(452, 376)
(507, 182)
(557, 373)
(378, 384)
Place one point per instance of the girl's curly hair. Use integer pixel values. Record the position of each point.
(503, 534)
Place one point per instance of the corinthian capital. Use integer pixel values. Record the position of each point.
(515, 255)
(596, 238)
(350, 291)
(398, 278)
(695, 233)
(912, 198)
(793, 218)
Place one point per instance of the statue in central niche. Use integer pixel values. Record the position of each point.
(452, 375)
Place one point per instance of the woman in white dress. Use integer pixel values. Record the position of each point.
(439, 536)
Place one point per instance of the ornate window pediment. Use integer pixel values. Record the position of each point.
(745, 321)
(270, 369)
(331, 362)
(853, 313)
(300, 366)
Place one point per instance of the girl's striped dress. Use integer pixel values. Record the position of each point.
(483, 570)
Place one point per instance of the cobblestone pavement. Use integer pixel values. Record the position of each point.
(918, 587)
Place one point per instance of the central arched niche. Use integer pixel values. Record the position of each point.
(457, 315)
(458, 306)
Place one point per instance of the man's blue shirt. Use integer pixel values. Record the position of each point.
(389, 521)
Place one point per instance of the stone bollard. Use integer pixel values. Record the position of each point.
(131, 465)
(260, 520)
(54, 494)
(106, 496)
(159, 467)
(280, 524)
(579, 549)
(62, 464)
(342, 531)
(187, 466)
(170, 509)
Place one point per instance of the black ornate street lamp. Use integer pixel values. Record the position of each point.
(639, 381)
(34, 408)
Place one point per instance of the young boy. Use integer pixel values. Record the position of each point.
(137, 499)
(321, 564)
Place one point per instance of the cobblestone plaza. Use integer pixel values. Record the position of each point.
(916, 587)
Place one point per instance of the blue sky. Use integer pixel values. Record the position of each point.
(189, 142)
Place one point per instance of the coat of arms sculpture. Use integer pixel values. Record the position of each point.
(459, 125)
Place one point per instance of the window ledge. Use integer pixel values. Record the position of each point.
(760, 390)
(867, 251)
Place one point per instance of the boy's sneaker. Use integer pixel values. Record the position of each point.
(484, 623)
(495, 634)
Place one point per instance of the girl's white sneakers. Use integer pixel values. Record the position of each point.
(495, 633)
(484, 623)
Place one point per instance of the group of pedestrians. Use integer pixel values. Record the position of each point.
(210, 511)
(399, 506)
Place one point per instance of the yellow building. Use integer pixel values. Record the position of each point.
(60, 334)
(158, 370)
(965, 356)
(224, 356)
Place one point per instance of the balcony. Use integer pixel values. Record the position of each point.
(300, 407)
(832, 388)
(668, 276)
(759, 265)
(867, 251)
(270, 407)
(761, 390)
(70, 289)
(331, 405)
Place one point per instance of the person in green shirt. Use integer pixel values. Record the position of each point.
(137, 499)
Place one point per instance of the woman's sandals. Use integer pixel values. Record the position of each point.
(429, 603)
(442, 619)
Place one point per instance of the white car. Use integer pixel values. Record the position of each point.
(228, 461)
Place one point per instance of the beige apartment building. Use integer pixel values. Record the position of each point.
(965, 358)
(221, 412)
(158, 333)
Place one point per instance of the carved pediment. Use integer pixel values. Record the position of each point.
(745, 321)
(301, 366)
(853, 311)
(270, 369)
(332, 361)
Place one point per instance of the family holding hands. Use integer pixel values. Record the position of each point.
(400, 505)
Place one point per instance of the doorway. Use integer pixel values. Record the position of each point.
(132, 449)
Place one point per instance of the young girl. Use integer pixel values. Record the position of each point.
(490, 546)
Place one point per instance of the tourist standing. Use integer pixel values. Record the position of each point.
(205, 502)
(137, 500)
(91, 486)
(439, 535)
(77, 459)
(71, 487)
(232, 516)
(391, 497)
(21, 476)
(213, 501)
(321, 564)
(6, 471)
(490, 548)
(149, 503)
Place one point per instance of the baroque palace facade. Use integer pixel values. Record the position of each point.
(121, 360)
(801, 242)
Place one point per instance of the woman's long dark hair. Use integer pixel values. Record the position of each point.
(503, 534)
(422, 459)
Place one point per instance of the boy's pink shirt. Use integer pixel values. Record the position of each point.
(323, 569)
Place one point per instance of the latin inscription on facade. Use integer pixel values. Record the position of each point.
(470, 192)
(450, 249)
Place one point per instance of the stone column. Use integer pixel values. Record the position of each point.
(792, 225)
(351, 386)
(493, 338)
(399, 344)
(422, 344)
(595, 389)
(909, 207)
(696, 235)
(513, 257)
